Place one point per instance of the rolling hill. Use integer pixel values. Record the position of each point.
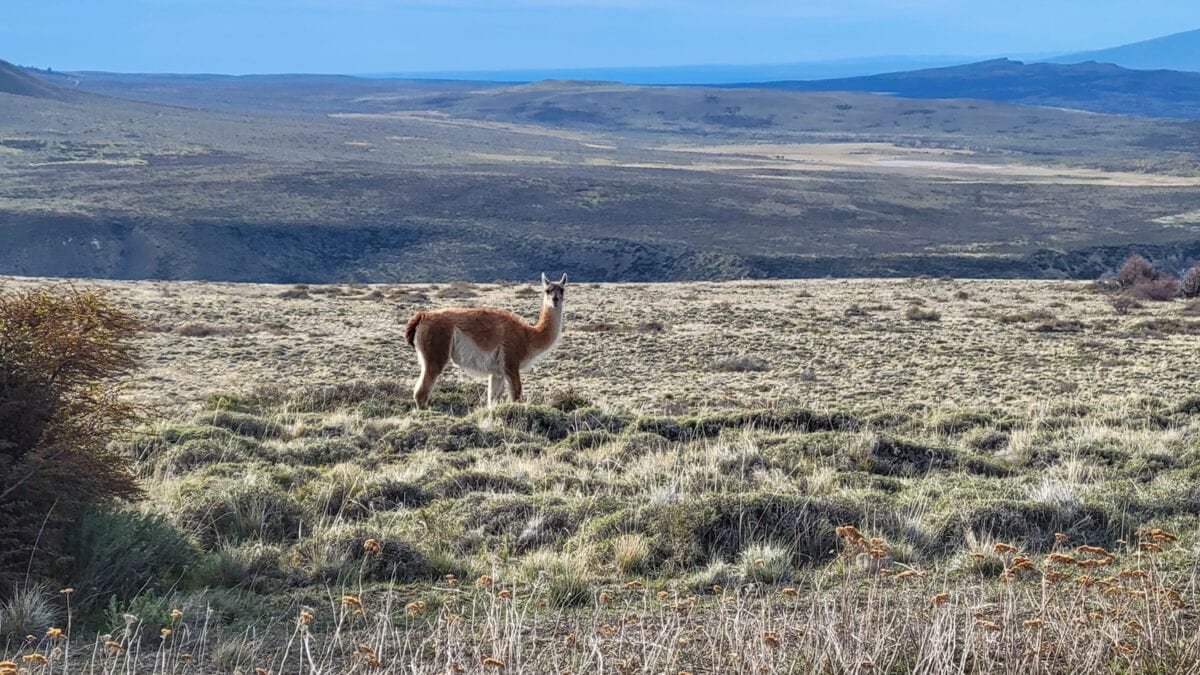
(1095, 87)
(16, 81)
(1180, 51)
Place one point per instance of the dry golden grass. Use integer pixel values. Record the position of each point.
(668, 514)
(830, 343)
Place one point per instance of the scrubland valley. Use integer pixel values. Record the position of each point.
(773, 476)
(320, 179)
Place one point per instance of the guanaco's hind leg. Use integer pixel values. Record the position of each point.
(495, 389)
(433, 359)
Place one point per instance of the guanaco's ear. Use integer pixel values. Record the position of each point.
(563, 281)
(545, 281)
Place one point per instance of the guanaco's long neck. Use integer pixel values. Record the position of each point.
(547, 329)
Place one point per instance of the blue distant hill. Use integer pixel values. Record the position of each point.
(1095, 87)
(699, 74)
(1180, 51)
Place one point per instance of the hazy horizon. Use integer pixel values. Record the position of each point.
(432, 36)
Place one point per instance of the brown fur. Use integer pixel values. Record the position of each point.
(500, 342)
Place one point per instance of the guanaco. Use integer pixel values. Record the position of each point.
(485, 342)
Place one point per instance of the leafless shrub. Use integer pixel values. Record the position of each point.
(1135, 268)
(1162, 288)
(1189, 286)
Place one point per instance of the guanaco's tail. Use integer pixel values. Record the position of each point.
(410, 329)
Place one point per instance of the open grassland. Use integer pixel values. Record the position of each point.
(1017, 463)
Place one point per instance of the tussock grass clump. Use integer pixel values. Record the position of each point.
(535, 419)
(465, 481)
(561, 577)
(28, 610)
(899, 457)
(765, 563)
(919, 313)
(630, 554)
(250, 506)
(243, 424)
(745, 363)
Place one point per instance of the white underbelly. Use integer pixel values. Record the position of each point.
(475, 361)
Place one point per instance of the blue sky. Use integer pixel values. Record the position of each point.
(363, 36)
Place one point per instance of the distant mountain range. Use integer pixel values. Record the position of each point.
(1180, 51)
(699, 74)
(1095, 87)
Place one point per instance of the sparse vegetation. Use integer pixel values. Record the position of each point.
(308, 525)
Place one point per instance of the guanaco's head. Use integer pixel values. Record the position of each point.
(553, 291)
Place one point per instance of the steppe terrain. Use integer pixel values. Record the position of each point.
(319, 179)
(673, 497)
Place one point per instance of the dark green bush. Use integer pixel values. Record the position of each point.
(120, 554)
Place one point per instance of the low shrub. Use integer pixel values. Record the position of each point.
(1189, 285)
(120, 553)
(1160, 289)
(1136, 268)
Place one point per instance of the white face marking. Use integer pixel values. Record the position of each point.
(553, 295)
